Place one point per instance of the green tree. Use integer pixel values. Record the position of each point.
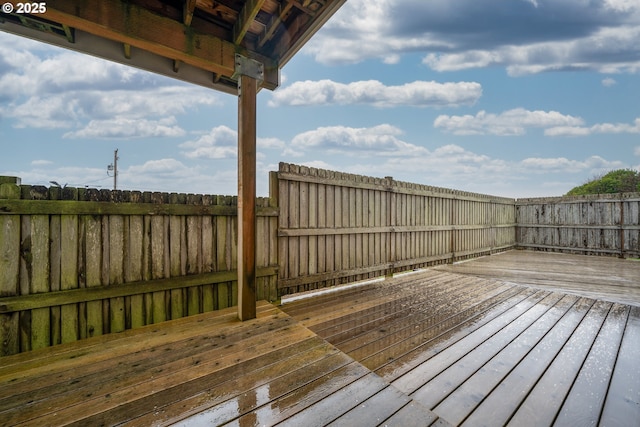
(617, 181)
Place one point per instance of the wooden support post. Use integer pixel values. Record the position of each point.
(247, 92)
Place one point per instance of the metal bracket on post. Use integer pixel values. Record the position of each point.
(248, 67)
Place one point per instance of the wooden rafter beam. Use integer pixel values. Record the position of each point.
(189, 8)
(302, 30)
(245, 19)
(275, 23)
(136, 26)
(304, 7)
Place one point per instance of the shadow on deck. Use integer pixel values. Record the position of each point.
(470, 350)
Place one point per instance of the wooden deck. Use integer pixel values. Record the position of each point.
(480, 351)
(431, 348)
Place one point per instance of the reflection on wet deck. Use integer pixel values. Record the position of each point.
(430, 348)
(208, 369)
(478, 351)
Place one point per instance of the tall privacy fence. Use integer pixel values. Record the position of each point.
(336, 227)
(75, 263)
(605, 224)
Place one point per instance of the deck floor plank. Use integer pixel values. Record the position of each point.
(468, 394)
(374, 410)
(597, 277)
(209, 368)
(498, 407)
(237, 396)
(447, 380)
(306, 396)
(545, 400)
(76, 353)
(417, 313)
(134, 367)
(338, 403)
(420, 353)
(622, 406)
(587, 396)
(397, 310)
(393, 348)
(411, 415)
(362, 347)
(108, 398)
(417, 377)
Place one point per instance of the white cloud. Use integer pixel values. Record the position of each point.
(562, 164)
(567, 131)
(171, 175)
(511, 122)
(381, 140)
(600, 128)
(608, 82)
(220, 143)
(373, 92)
(270, 144)
(449, 166)
(47, 88)
(126, 128)
(625, 6)
(636, 151)
(598, 35)
(41, 163)
(602, 51)
(74, 108)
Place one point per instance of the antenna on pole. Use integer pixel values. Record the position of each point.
(114, 167)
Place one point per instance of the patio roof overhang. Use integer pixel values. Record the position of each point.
(235, 46)
(191, 40)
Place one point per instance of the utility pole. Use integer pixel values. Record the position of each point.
(114, 167)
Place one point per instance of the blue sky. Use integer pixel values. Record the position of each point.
(522, 98)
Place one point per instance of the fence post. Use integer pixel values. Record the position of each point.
(9, 266)
(391, 215)
(452, 236)
(622, 224)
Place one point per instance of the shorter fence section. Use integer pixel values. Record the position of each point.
(75, 263)
(598, 225)
(336, 227)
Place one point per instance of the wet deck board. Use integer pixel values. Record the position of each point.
(208, 369)
(477, 350)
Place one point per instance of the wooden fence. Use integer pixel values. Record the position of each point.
(598, 224)
(75, 263)
(336, 227)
